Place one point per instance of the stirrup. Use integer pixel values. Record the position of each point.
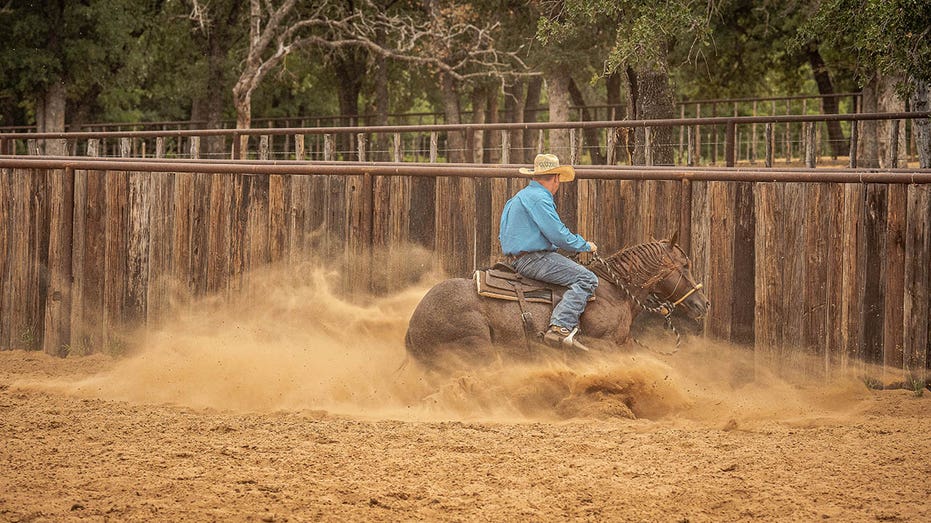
(572, 342)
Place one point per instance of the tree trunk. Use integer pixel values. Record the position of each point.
(557, 90)
(919, 101)
(531, 102)
(514, 113)
(613, 94)
(654, 100)
(839, 144)
(477, 137)
(492, 142)
(50, 118)
(349, 67)
(591, 134)
(455, 142)
(875, 139)
(382, 103)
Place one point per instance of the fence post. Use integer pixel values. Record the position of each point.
(854, 139)
(125, 147)
(770, 144)
(788, 135)
(697, 137)
(396, 150)
(362, 143)
(299, 153)
(751, 151)
(730, 154)
(810, 157)
(32, 147)
(327, 148)
(647, 146)
(434, 145)
(263, 147)
(894, 144)
(505, 146)
(681, 131)
(714, 134)
(573, 149)
(195, 147)
(93, 147)
(612, 145)
(690, 153)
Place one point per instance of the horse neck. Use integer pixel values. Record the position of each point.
(639, 264)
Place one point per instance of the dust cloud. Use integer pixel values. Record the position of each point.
(292, 343)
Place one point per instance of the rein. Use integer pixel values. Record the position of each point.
(664, 308)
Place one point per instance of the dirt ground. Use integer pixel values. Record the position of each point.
(228, 414)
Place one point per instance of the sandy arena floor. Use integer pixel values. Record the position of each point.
(220, 417)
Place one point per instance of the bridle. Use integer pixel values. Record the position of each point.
(664, 306)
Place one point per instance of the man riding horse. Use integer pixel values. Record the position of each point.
(531, 231)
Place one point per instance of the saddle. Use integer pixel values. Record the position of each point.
(504, 283)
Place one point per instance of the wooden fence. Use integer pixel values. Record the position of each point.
(839, 271)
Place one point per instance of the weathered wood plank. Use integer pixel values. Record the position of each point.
(916, 303)
(116, 260)
(359, 232)
(423, 211)
(874, 221)
(279, 202)
(742, 315)
(853, 275)
(833, 226)
(57, 324)
(161, 240)
(138, 235)
(200, 233)
(217, 248)
(815, 275)
(795, 262)
(720, 287)
(258, 233)
(7, 204)
(768, 265)
(893, 304)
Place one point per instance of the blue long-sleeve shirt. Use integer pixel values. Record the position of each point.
(529, 222)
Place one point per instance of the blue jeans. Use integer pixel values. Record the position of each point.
(555, 268)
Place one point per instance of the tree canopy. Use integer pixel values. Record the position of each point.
(135, 60)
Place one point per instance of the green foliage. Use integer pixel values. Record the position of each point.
(887, 36)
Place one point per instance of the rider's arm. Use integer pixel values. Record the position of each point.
(543, 212)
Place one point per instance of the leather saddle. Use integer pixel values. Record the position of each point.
(504, 283)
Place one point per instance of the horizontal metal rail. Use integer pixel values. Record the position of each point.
(670, 122)
(896, 176)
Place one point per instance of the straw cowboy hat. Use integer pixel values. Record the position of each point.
(549, 164)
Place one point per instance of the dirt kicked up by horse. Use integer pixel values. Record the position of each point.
(455, 326)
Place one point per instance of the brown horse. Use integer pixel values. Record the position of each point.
(453, 326)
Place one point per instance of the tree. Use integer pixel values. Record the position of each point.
(642, 35)
(60, 54)
(889, 40)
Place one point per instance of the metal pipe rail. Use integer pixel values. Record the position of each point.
(894, 176)
(669, 122)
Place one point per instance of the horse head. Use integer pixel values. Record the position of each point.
(659, 272)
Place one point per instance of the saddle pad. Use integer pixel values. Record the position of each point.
(493, 283)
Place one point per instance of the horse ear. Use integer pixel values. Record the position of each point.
(675, 237)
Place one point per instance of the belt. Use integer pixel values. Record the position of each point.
(514, 257)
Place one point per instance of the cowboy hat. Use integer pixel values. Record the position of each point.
(549, 164)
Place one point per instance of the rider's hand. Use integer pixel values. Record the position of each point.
(593, 247)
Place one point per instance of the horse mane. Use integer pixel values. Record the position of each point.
(641, 265)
